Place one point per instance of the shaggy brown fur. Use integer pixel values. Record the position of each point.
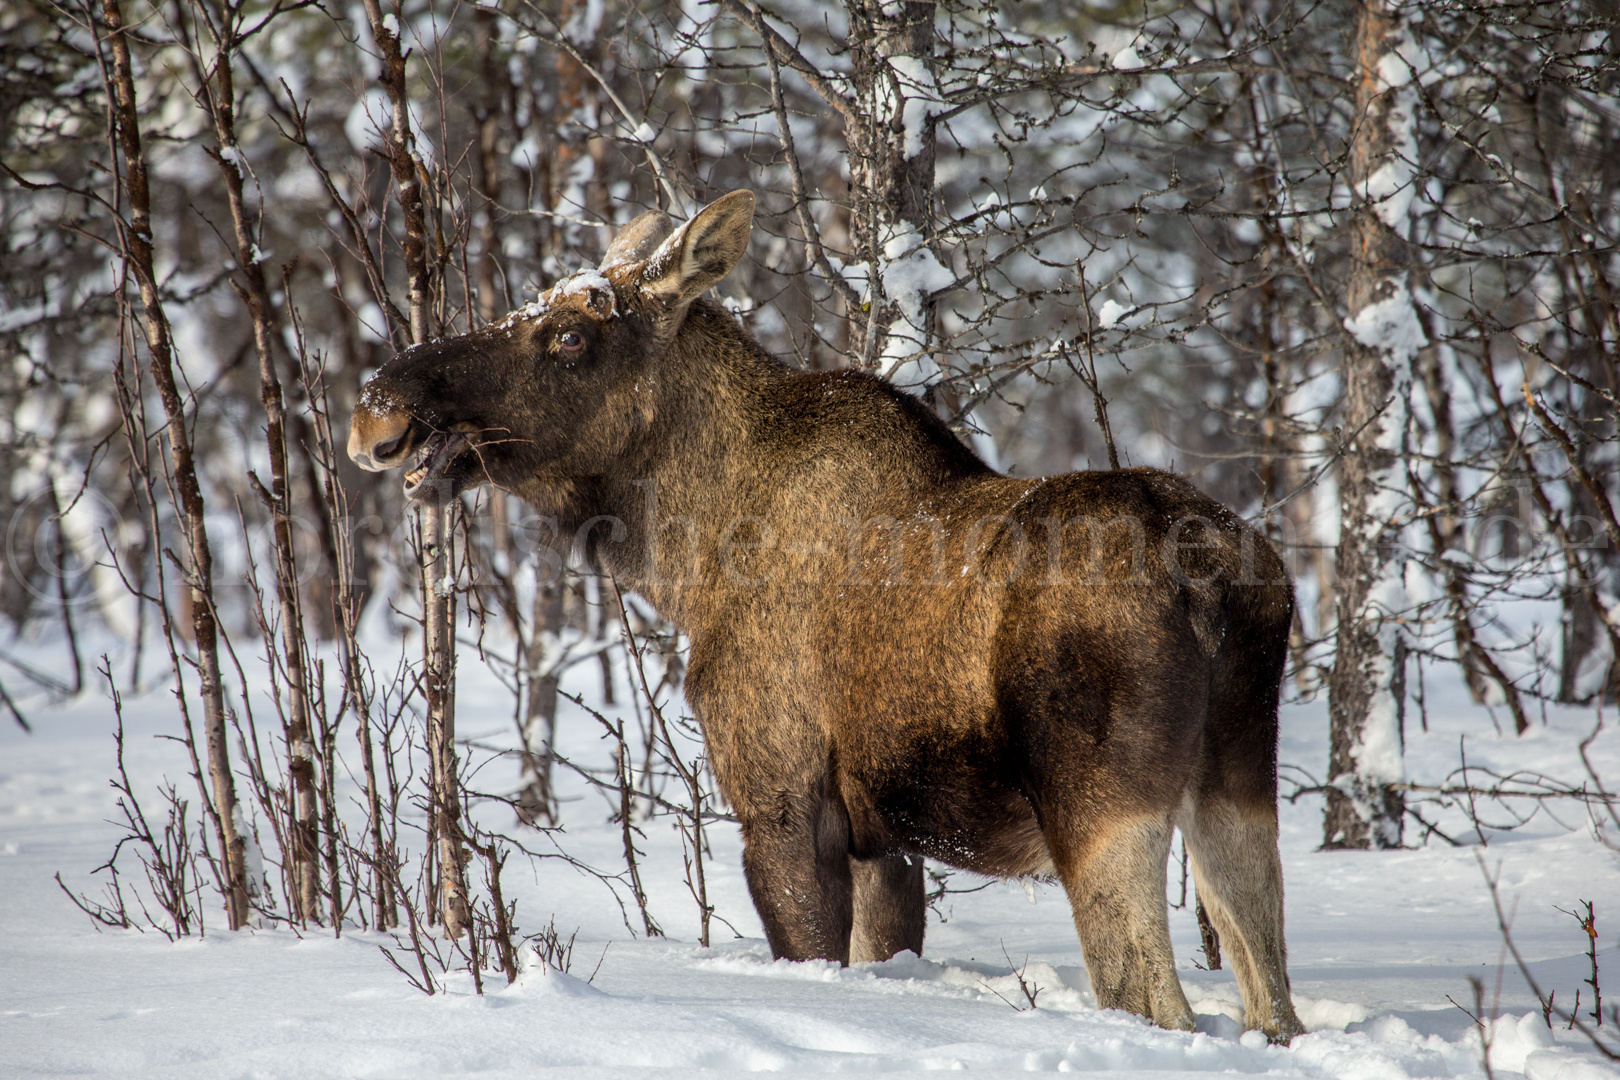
(896, 652)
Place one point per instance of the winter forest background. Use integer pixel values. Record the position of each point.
(1351, 267)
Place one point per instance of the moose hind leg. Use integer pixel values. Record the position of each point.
(891, 909)
(796, 862)
(1238, 874)
(1114, 874)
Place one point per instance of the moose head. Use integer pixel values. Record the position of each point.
(560, 388)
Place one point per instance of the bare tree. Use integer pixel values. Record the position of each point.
(135, 240)
(437, 530)
(216, 93)
(1366, 690)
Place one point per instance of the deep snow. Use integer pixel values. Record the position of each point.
(1377, 943)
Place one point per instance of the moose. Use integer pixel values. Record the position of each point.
(896, 651)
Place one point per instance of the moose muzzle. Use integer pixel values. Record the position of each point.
(379, 439)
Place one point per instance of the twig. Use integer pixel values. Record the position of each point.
(16, 713)
(677, 202)
(1088, 376)
(692, 817)
(801, 201)
(1502, 925)
(1030, 993)
(625, 811)
(785, 53)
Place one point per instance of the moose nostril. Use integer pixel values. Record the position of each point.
(377, 440)
(384, 451)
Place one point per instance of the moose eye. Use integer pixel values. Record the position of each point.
(570, 339)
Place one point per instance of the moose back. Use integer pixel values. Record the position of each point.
(896, 652)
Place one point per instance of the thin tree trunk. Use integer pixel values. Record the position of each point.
(1585, 665)
(487, 115)
(137, 243)
(438, 604)
(438, 626)
(1445, 536)
(536, 800)
(217, 94)
(62, 591)
(346, 605)
(892, 147)
(1366, 693)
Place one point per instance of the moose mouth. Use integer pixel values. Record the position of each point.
(437, 453)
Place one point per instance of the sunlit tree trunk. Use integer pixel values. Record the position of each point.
(892, 146)
(137, 242)
(1366, 688)
(438, 592)
(218, 97)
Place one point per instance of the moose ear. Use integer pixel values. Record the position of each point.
(638, 239)
(702, 251)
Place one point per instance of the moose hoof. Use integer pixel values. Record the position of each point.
(1279, 1031)
(1174, 1019)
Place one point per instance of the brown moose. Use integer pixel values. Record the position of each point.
(896, 651)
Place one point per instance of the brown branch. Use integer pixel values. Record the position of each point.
(692, 815)
(398, 323)
(1504, 927)
(1088, 376)
(1555, 521)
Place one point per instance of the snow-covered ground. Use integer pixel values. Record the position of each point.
(1378, 941)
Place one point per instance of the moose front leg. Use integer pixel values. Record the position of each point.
(797, 864)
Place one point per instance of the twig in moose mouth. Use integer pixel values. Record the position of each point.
(436, 455)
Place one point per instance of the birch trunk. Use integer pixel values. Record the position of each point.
(438, 594)
(1366, 688)
(892, 146)
(218, 96)
(137, 239)
(535, 800)
(346, 607)
(438, 600)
